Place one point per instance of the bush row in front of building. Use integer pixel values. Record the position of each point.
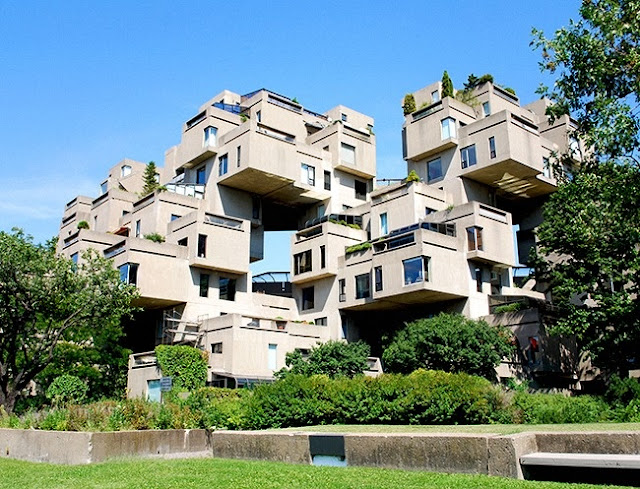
(423, 397)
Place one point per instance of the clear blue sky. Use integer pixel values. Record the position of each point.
(84, 84)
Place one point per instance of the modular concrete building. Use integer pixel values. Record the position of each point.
(363, 257)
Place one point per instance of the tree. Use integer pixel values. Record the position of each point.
(447, 85)
(186, 365)
(409, 105)
(333, 358)
(589, 242)
(150, 179)
(47, 301)
(448, 342)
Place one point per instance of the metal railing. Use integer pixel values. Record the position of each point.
(189, 189)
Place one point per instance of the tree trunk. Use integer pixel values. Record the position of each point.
(8, 401)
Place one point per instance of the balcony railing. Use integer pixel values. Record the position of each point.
(222, 221)
(189, 189)
(115, 250)
(234, 109)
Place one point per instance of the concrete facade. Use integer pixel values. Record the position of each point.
(362, 255)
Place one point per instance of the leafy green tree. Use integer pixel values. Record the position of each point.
(589, 243)
(150, 178)
(66, 389)
(46, 300)
(448, 342)
(447, 85)
(333, 358)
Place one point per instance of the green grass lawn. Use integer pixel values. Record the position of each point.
(235, 474)
(498, 429)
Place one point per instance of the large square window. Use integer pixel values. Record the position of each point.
(363, 286)
(468, 156)
(448, 128)
(302, 262)
(223, 165)
(227, 288)
(416, 270)
(308, 299)
(129, 273)
(348, 154)
(308, 174)
(434, 170)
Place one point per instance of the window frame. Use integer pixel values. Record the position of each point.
(207, 140)
(229, 284)
(204, 284)
(308, 174)
(307, 298)
(447, 128)
(474, 238)
(223, 164)
(492, 147)
(360, 195)
(363, 285)
(466, 154)
(421, 276)
(302, 262)
(377, 273)
(435, 178)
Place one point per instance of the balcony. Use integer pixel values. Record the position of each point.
(514, 164)
(195, 190)
(213, 241)
(271, 166)
(423, 134)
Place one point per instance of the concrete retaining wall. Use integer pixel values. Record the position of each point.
(489, 454)
(66, 447)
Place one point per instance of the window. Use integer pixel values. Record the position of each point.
(363, 286)
(183, 242)
(272, 360)
(361, 189)
(308, 298)
(227, 288)
(210, 136)
(574, 146)
(416, 270)
(492, 147)
(259, 116)
(327, 180)
(479, 279)
(216, 347)
(129, 273)
(546, 168)
(343, 117)
(239, 155)
(348, 154)
(308, 174)
(138, 226)
(204, 285)
(377, 272)
(125, 170)
(223, 165)
(474, 238)
(486, 109)
(175, 216)
(384, 227)
(435, 96)
(156, 177)
(434, 170)
(468, 156)
(323, 256)
(255, 207)
(448, 128)
(302, 262)
(74, 258)
(103, 188)
(320, 210)
(202, 245)
(342, 292)
(320, 321)
(201, 175)
(429, 210)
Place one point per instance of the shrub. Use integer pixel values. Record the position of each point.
(333, 358)
(155, 237)
(557, 408)
(424, 397)
(83, 225)
(66, 389)
(412, 176)
(513, 307)
(187, 366)
(448, 342)
(357, 247)
(409, 104)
